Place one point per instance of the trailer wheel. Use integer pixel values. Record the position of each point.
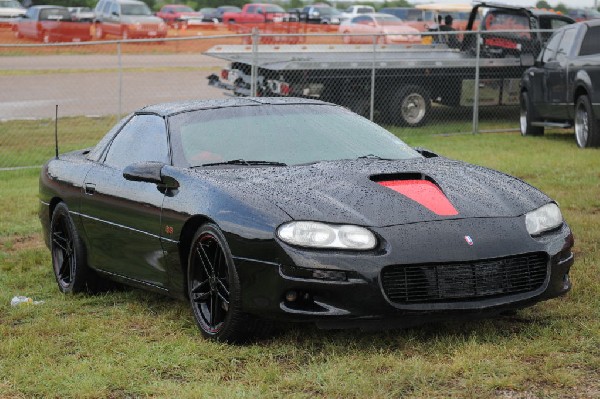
(410, 106)
(527, 116)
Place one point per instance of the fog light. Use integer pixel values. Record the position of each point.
(291, 296)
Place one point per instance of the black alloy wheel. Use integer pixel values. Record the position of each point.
(214, 289)
(209, 283)
(68, 257)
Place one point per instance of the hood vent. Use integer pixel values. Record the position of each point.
(420, 189)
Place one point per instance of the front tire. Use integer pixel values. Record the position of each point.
(214, 289)
(527, 116)
(100, 32)
(587, 126)
(68, 253)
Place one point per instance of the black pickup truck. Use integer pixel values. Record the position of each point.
(563, 88)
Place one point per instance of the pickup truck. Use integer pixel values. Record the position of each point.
(255, 13)
(51, 24)
(408, 80)
(563, 88)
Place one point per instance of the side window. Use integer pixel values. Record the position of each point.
(549, 53)
(106, 8)
(30, 13)
(591, 43)
(565, 44)
(144, 138)
(251, 9)
(114, 8)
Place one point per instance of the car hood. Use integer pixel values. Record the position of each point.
(400, 30)
(345, 191)
(189, 15)
(132, 19)
(11, 12)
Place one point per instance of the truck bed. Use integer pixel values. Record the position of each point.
(342, 56)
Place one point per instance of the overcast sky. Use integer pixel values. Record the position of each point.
(568, 3)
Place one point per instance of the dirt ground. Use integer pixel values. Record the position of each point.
(210, 35)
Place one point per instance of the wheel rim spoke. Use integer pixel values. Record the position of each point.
(64, 256)
(209, 291)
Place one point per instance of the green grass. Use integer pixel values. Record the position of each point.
(130, 343)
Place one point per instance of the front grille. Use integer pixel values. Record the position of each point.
(445, 282)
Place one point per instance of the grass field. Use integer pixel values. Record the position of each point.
(130, 343)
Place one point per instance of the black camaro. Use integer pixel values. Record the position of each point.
(297, 210)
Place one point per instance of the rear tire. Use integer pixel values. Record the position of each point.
(347, 38)
(214, 289)
(410, 106)
(587, 126)
(527, 116)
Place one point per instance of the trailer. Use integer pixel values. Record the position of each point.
(400, 82)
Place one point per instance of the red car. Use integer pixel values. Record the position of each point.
(256, 13)
(51, 24)
(178, 15)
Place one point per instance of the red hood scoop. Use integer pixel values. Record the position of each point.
(425, 193)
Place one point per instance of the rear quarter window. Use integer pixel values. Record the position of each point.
(591, 42)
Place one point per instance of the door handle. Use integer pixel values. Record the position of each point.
(90, 188)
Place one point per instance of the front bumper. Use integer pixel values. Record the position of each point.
(347, 289)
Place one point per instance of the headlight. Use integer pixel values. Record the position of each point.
(546, 218)
(321, 235)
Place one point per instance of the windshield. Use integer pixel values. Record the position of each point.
(183, 9)
(10, 4)
(329, 11)
(274, 8)
(388, 20)
(135, 9)
(289, 134)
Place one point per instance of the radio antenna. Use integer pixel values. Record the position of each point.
(56, 131)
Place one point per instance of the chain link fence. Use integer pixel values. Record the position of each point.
(438, 82)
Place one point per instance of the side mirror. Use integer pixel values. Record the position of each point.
(148, 172)
(116, 14)
(527, 60)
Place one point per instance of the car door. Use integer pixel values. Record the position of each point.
(112, 19)
(27, 25)
(121, 218)
(537, 75)
(556, 76)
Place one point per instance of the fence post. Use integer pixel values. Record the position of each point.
(253, 74)
(372, 102)
(120, 67)
(476, 88)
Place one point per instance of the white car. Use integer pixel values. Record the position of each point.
(11, 10)
(356, 10)
(385, 28)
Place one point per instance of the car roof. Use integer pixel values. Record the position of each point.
(172, 108)
(47, 6)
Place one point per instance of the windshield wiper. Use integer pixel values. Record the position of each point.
(243, 162)
(373, 156)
